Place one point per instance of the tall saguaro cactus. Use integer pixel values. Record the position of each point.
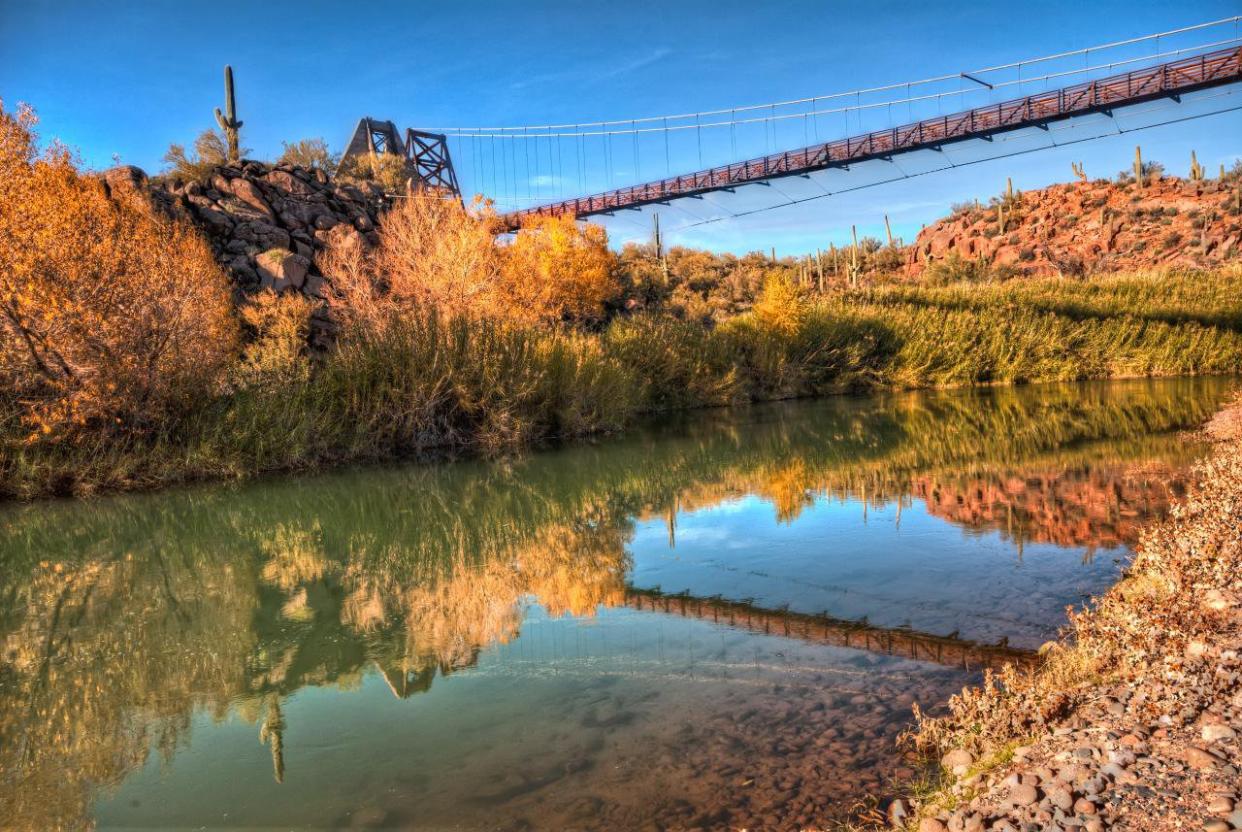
(228, 119)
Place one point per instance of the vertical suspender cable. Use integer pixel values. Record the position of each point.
(638, 170)
(560, 175)
(698, 132)
(496, 194)
(668, 164)
(526, 154)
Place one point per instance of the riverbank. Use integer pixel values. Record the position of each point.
(1133, 721)
(423, 383)
(485, 387)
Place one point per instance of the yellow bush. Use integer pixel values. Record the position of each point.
(559, 270)
(276, 354)
(782, 305)
(109, 313)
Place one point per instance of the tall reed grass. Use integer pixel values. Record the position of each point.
(422, 381)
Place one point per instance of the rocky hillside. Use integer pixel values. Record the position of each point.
(266, 223)
(1084, 227)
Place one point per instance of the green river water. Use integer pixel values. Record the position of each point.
(721, 620)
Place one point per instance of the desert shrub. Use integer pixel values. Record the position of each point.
(110, 314)
(559, 270)
(275, 354)
(955, 269)
(209, 152)
(782, 305)
(388, 170)
(432, 253)
(309, 153)
(961, 209)
(435, 254)
(888, 259)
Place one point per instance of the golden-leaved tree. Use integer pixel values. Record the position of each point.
(559, 270)
(110, 314)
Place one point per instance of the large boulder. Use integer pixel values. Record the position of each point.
(280, 269)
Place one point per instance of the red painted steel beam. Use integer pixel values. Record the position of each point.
(1102, 95)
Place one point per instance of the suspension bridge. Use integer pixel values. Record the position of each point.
(760, 157)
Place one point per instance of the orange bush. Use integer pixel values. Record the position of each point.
(109, 313)
(433, 253)
(559, 270)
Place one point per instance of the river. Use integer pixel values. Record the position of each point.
(720, 619)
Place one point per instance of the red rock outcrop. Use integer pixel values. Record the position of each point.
(1084, 227)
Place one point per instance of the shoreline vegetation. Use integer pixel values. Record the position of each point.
(1133, 718)
(128, 361)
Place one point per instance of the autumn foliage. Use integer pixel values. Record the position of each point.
(435, 255)
(558, 270)
(109, 313)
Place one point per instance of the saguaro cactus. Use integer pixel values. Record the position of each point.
(1138, 166)
(1196, 169)
(855, 268)
(1078, 171)
(228, 119)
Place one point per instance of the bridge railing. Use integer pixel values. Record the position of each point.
(1185, 75)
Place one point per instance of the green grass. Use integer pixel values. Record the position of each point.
(427, 383)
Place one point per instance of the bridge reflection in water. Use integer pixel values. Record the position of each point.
(824, 629)
(505, 606)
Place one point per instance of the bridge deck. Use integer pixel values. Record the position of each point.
(1102, 95)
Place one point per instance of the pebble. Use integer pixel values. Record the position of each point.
(1200, 758)
(1217, 732)
(1220, 806)
(1023, 795)
(1061, 798)
(931, 825)
(898, 812)
(1085, 807)
(958, 761)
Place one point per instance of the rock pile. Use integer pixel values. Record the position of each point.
(265, 223)
(1084, 227)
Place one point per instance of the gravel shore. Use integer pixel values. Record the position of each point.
(1134, 720)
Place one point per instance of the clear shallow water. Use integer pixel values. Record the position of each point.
(719, 621)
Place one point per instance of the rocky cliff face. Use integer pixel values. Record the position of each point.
(1085, 227)
(265, 223)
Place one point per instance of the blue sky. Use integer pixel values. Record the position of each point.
(127, 79)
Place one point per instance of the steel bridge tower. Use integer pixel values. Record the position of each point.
(426, 154)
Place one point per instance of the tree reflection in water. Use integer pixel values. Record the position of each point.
(122, 617)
